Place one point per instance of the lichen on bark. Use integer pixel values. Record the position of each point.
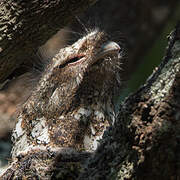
(144, 141)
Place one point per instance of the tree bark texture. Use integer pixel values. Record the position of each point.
(144, 141)
(146, 19)
(40, 20)
(26, 25)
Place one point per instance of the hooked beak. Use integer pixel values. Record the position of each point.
(108, 48)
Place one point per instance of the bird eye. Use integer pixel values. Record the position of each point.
(75, 59)
(71, 61)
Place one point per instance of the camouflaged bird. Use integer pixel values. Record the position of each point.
(68, 111)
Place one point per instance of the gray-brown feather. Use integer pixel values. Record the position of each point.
(71, 105)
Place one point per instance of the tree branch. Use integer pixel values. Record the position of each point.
(144, 141)
(25, 25)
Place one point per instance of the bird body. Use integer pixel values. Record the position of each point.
(72, 104)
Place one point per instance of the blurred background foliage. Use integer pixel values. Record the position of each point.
(153, 56)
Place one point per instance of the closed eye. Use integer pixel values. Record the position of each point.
(72, 61)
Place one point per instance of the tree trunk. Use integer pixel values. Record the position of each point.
(144, 141)
(41, 20)
(26, 25)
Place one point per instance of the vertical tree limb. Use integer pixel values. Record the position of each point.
(144, 141)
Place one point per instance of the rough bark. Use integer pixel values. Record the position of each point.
(25, 25)
(144, 141)
(40, 20)
(141, 22)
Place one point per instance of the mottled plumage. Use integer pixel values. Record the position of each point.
(72, 104)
